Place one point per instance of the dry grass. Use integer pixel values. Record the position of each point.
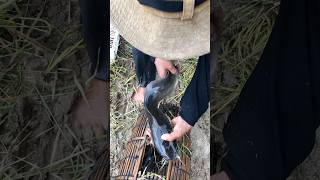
(245, 31)
(37, 86)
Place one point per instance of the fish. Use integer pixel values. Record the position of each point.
(150, 160)
(159, 123)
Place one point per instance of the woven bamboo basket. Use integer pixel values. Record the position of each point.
(141, 161)
(136, 155)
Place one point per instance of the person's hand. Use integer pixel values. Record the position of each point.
(181, 127)
(92, 114)
(163, 66)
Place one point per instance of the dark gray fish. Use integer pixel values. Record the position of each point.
(158, 122)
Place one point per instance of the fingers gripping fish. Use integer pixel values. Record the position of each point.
(158, 122)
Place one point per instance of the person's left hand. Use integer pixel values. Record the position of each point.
(163, 66)
(181, 127)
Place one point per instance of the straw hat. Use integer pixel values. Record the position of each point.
(167, 35)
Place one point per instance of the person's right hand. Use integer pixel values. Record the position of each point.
(181, 127)
(163, 66)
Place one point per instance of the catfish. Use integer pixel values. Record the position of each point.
(159, 123)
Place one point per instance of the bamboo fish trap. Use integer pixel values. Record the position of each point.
(141, 161)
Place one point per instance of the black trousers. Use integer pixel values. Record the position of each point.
(196, 97)
(272, 128)
(95, 27)
(145, 68)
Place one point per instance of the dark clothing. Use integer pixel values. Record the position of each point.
(145, 68)
(272, 128)
(95, 27)
(196, 97)
(167, 6)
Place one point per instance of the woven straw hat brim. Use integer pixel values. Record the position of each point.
(168, 38)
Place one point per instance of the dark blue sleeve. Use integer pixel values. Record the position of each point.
(195, 100)
(145, 67)
(95, 27)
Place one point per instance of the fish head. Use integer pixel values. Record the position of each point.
(159, 89)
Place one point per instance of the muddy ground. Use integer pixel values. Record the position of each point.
(37, 139)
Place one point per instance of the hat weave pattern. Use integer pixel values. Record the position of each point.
(168, 38)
